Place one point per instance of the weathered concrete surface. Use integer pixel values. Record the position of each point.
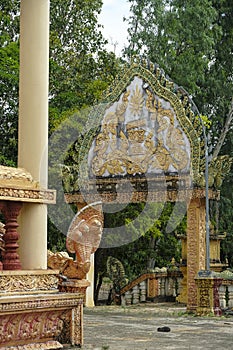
(135, 328)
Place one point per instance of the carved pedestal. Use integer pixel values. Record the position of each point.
(35, 315)
(74, 322)
(208, 295)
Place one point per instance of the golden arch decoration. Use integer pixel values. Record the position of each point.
(144, 123)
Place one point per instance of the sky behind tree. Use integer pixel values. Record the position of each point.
(115, 29)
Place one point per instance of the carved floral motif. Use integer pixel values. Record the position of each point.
(157, 100)
(27, 283)
(195, 248)
(42, 303)
(28, 195)
(208, 296)
(51, 344)
(30, 326)
(142, 196)
(42, 318)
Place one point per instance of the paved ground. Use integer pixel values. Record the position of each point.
(135, 328)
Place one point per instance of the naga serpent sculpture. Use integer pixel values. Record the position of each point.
(83, 239)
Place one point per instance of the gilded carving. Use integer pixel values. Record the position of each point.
(37, 196)
(152, 142)
(142, 93)
(141, 196)
(152, 288)
(204, 296)
(30, 326)
(195, 247)
(136, 102)
(74, 286)
(219, 167)
(27, 283)
(18, 185)
(77, 326)
(208, 295)
(51, 303)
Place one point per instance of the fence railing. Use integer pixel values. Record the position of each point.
(166, 286)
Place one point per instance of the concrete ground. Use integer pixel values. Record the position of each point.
(135, 328)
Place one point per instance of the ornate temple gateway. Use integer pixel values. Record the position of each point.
(144, 143)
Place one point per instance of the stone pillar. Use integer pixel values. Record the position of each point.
(142, 291)
(196, 248)
(222, 296)
(90, 290)
(33, 125)
(230, 296)
(135, 292)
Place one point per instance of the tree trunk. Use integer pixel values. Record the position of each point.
(224, 132)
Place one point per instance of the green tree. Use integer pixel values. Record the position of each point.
(178, 35)
(193, 43)
(80, 67)
(149, 245)
(9, 80)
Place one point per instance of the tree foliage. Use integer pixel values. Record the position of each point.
(148, 248)
(9, 80)
(193, 42)
(80, 67)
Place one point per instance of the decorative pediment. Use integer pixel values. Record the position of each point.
(144, 125)
(140, 133)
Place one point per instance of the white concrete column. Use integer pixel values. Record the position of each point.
(90, 290)
(33, 125)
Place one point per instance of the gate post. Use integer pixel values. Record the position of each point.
(196, 248)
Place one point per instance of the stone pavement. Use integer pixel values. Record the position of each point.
(135, 328)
